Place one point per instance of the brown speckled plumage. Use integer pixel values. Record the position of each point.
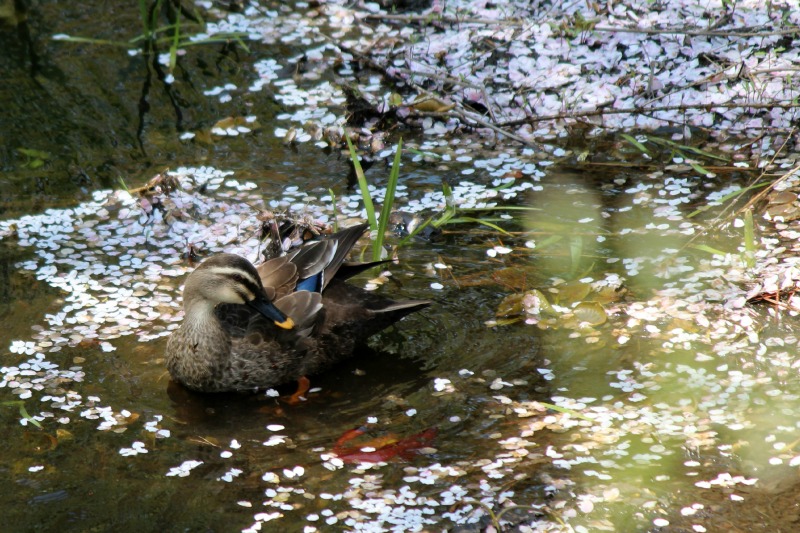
(230, 339)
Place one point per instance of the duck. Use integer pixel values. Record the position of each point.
(249, 327)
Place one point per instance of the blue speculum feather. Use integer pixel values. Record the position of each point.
(313, 284)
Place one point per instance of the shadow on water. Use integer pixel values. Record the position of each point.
(349, 392)
(87, 484)
(94, 115)
(80, 117)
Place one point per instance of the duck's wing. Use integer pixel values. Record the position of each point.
(347, 238)
(318, 261)
(311, 261)
(350, 310)
(283, 349)
(279, 277)
(302, 307)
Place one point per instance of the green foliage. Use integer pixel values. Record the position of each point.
(681, 149)
(35, 158)
(676, 150)
(171, 36)
(631, 139)
(362, 185)
(378, 225)
(335, 212)
(749, 239)
(455, 215)
(450, 215)
(388, 202)
(23, 412)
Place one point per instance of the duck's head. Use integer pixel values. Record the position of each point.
(231, 279)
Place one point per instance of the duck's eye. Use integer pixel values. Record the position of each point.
(244, 295)
(242, 285)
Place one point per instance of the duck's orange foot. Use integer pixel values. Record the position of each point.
(303, 384)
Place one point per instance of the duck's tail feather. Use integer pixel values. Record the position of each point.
(351, 268)
(403, 307)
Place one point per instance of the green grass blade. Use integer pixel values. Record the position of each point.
(699, 169)
(335, 212)
(450, 201)
(424, 154)
(749, 239)
(143, 18)
(642, 148)
(483, 222)
(362, 185)
(565, 410)
(505, 185)
(499, 208)
(241, 44)
(444, 219)
(415, 232)
(388, 201)
(683, 147)
(24, 414)
(173, 49)
(709, 249)
(87, 40)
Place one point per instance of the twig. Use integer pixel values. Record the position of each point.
(700, 32)
(643, 110)
(461, 113)
(437, 76)
(464, 116)
(772, 185)
(449, 19)
(723, 217)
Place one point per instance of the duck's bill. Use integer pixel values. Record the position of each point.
(268, 309)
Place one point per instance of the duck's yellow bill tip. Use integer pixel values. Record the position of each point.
(286, 324)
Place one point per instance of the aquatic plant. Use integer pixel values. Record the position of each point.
(174, 35)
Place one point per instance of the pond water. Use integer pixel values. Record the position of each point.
(590, 362)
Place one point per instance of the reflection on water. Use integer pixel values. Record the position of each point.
(636, 389)
(638, 399)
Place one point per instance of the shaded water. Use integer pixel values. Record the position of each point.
(670, 394)
(85, 482)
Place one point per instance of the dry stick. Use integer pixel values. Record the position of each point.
(449, 19)
(718, 220)
(710, 33)
(647, 31)
(488, 102)
(600, 107)
(772, 185)
(436, 76)
(720, 77)
(465, 116)
(642, 110)
(462, 114)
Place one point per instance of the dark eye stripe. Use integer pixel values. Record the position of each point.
(244, 286)
(244, 295)
(244, 283)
